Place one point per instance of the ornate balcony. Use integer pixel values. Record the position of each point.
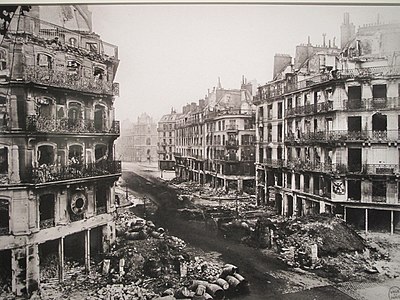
(52, 173)
(310, 109)
(64, 79)
(343, 136)
(65, 125)
(274, 163)
(371, 103)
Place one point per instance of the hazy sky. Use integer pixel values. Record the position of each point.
(171, 54)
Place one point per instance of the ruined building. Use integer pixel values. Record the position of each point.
(56, 147)
(138, 141)
(215, 139)
(166, 141)
(328, 129)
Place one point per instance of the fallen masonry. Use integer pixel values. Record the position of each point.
(144, 263)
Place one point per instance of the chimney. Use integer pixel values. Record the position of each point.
(308, 41)
(323, 40)
(329, 43)
(334, 42)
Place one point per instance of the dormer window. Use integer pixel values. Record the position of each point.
(73, 67)
(44, 61)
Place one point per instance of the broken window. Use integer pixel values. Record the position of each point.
(269, 133)
(3, 60)
(379, 191)
(279, 152)
(261, 154)
(45, 155)
(280, 132)
(269, 112)
(44, 61)
(316, 181)
(354, 160)
(354, 127)
(354, 190)
(261, 113)
(3, 161)
(379, 91)
(46, 211)
(354, 95)
(92, 47)
(4, 217)
(73, 67)
(297, 181)
(289, 180)
(100, 118)
(280, 110)
(98, 73)
(306, 183)
(269, 153)
(379, 122)
(75, 156)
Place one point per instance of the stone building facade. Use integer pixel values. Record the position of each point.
(56, 145)
(138, 141)
(328, 129)
(215, 139)
(166, 141)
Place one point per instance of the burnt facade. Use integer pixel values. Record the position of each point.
(215, 139)
(328, 130)
(57, 161)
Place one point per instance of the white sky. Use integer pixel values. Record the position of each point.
(171, 54)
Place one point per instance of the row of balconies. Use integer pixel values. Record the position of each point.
(343, 136)
(67, 80)
(52, 173)
(66, 125)
(301, 165)
(272, 90)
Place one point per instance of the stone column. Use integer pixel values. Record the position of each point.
(391, 222)
(87, 250)
(321, 207)
(13, 112)
(18, 266)
(32, 272)
(61, 259)
(366, 220)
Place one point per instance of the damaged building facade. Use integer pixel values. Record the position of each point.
(57, 133)
(328, 129)
(166, 141)
(215, 139)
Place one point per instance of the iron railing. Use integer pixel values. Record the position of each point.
(310, 109)
(343, 135)
(52, 173)
(64, 79)
(371, 103)
(101, 210)
(47, 223)
(65, 125)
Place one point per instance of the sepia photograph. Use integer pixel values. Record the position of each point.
(200, 150)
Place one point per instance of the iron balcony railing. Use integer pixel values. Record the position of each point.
(232, 111)
(310, 109)
(101, 210)
(327, 167)
(51, 173)
(65, 125)
(67, 80)
(343, 135)
(371, 103)
(276, 163)
(48, 223)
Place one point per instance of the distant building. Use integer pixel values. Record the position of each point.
(57, 162)
(138, 141)
(328, 129)
(215, 139)
(166, 141)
